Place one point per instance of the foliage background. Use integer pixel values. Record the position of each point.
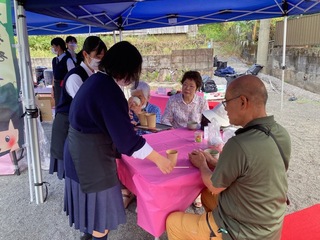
(232, 37)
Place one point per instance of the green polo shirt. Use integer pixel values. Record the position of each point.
(253, 172)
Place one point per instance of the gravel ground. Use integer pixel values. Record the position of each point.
(22, 219)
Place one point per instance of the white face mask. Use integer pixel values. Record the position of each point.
(122, 83)
(94, 64)
(54, 51)
(72, 46)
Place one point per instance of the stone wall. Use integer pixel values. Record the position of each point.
(164, 67)
(43, 62)
(302, 67)
(171, 67)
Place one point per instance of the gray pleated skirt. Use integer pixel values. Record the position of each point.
(90, 212)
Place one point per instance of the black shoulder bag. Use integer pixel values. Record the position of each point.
(268, 133)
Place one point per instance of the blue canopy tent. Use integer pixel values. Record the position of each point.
(141, 14)
(121, 15)
(39, 24)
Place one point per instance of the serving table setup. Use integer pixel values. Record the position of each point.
(160, 194)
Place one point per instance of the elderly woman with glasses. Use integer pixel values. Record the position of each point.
(187, 105)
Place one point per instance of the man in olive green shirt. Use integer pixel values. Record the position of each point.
(245, 196)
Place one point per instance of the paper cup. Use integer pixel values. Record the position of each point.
(151, 120)
(192, 125)
(142, 119)
(136, 100)
(172, 155)
(214, 153)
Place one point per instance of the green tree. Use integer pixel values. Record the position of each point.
(215, 32)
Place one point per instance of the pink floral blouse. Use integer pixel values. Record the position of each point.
(178, 113)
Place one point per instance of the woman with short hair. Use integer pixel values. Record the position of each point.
(93, 50)
(100, 127)
(187, 105)
(143, 93)
(72, 45)
(61, 65)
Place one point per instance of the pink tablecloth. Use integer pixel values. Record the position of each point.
(159, 194)
(159, 100)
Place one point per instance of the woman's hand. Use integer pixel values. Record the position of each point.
(163, 163)
(133, 122)
(130, 102)
(133, 106)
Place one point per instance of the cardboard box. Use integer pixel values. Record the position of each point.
(44, 104)
(46, 96)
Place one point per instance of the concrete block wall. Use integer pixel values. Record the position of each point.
(302, 67)
(170, 67)
(43, 62)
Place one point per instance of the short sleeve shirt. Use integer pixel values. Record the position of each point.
(178, 113)
(253, 172)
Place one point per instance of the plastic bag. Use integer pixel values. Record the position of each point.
(228, 133)
(44, 147)
(214, 135)
(208, 85)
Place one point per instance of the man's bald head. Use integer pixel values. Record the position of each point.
(251, 87)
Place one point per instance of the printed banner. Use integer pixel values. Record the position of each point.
(11, 123)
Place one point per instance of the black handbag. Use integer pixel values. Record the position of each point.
(208, 85)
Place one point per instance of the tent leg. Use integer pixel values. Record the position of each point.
(14, 159)
(32, 138)
(114, 37)
(120, 35)
(283, 67)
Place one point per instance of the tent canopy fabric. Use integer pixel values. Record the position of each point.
(110, 15)
(39, 24)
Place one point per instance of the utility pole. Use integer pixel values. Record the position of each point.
(263, 44)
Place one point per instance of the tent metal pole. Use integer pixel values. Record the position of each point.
(114, 37)
(27, 146)
(283, 67)
(18, 47)
(120, 35)
(32, 138)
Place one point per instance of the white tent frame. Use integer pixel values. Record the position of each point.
(32, 138)
(28, 91)
(47, 28)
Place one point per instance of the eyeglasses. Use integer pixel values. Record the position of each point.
(224, 103)
(188, 86)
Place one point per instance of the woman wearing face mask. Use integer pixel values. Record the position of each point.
(93, 50)
(61, 65)
(100, 125)
(71, 42)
